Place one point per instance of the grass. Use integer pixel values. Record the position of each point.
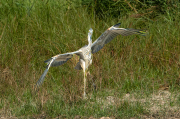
(134, 65)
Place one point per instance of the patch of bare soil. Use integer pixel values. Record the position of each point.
(163, 104)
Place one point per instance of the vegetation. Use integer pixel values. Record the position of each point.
(139, 66)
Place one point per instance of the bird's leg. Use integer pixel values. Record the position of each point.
(84, 96)
(82, 63)
(93, 83)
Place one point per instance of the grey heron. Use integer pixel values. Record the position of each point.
(85, 53)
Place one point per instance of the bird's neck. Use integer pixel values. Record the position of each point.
(89, 41)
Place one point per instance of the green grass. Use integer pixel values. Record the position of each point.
(30, 33)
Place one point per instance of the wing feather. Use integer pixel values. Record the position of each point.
(55, 61)
(110, 34)
(60, 59)
(41, 79)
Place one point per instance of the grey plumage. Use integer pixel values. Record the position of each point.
(55, 61)
(85, 60)
(110, 34)
(84, 53)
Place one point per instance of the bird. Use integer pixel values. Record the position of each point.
(85, 53)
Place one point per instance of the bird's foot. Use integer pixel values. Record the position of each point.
(94, 86)
(84, 96)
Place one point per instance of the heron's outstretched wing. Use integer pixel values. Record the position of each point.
(55, 61)
(110, 34)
